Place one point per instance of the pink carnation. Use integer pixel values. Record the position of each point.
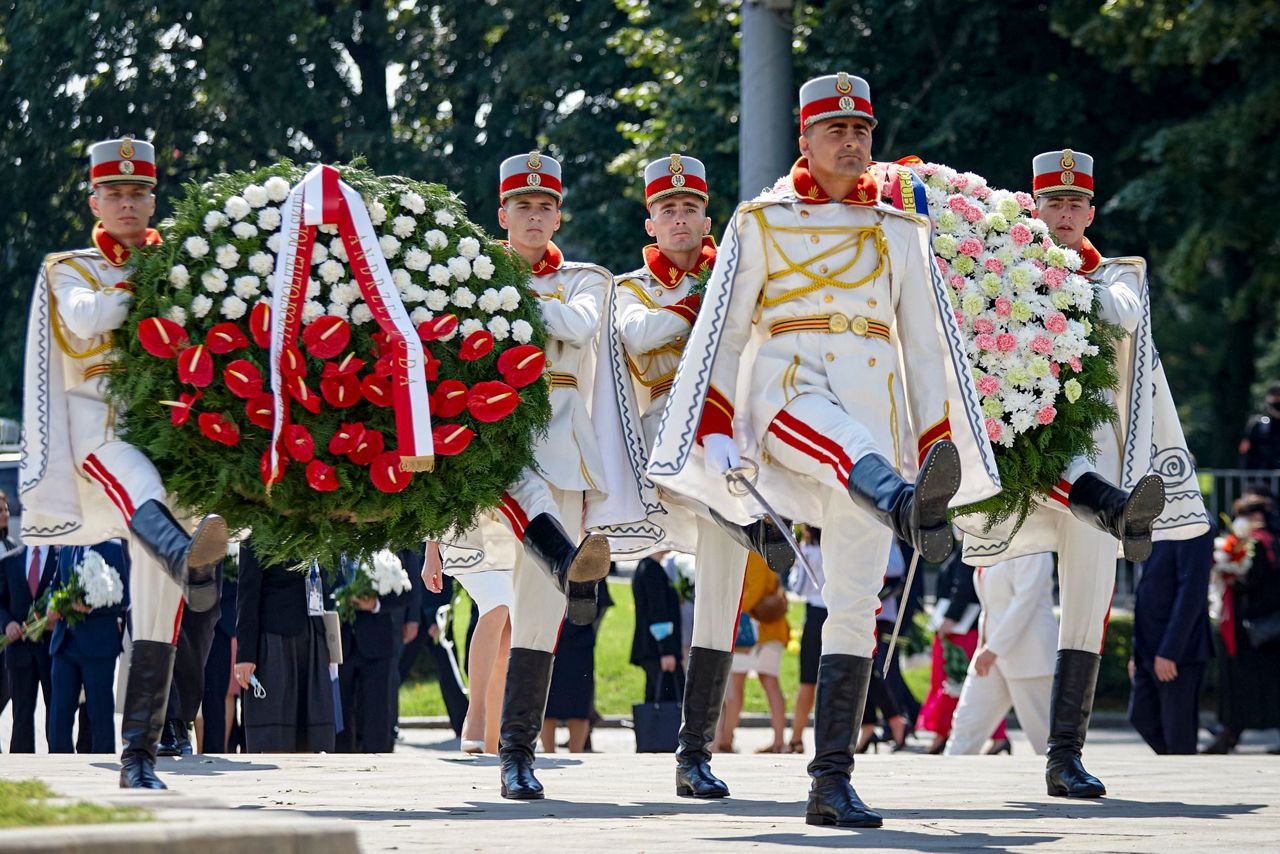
(1075, 364)
(994, 429)
(1056, 323)
(1046, 244)
(1046, 415)
(983, 326)
(1038, 264)
(1003, 306)
(960, 182)
(985, 342)
(1055, 276)
(957, 203)
(988, 385)
(928, 169)
(973, 213)
(1020, 234)
(957, 282)
(1055, 368)
(971, 246)
(993, 265)
(959, 316)
(1041, 344)
(1006, 343)
(982, 193)
(1024, 200)
(943, 266)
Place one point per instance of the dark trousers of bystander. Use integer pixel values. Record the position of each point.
(1167, 714)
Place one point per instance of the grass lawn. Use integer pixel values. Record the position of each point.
(618, 682)
(25, 803)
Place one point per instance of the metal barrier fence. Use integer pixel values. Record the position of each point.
(1221, 487)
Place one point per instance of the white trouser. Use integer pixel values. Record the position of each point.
(1086, 583)
(538, 610)
(720, 567)
(984, 702)
(129, 480)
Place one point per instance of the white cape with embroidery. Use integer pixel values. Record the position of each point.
(1151, 442)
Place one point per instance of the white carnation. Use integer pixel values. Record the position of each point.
(463, 298)
(269, 219)
(214, 281)
(420, 315)
(437, 299)
(439, 275)
(247, 287)
(489, 301)
(233, 308)
(313, 289)
(411, 200)
(179, 277)
(401, 279)
(416, 259)
(522, 331)
(319, 254)
(227, 256)
(338, 309)
(415, 293)
(387, 573)
(443, 217)
(483, 267)
(510, 297)
(330, 272)
(275, 241)
(377, 213)
(500, 327)
(338, 249)
(99, 580)
(402, 226)
(436, 239)
(177, 314)
(469, 248)
(236, 207)
(214, 220)
(327, 228)
(196, 246)
(256, 196)
(345, 293)
(310, 311)
(200, 305)
(261, 263)
(467, 327)
(390, 245)
(459, 268)
(277, 188)
(361, 314)
(244, 230)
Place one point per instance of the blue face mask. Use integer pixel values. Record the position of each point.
(661, 631)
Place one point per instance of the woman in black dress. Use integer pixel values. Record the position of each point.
(573, 680)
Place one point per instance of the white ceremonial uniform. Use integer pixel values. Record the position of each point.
(80, 484)
(1018, 626)
(1147, 439)
(571, 297)
(817, 315)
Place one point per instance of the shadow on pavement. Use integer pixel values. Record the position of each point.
(887, 838)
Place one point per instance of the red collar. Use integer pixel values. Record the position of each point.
(865, 193)
(667, 273)
(1090, 258)
(115, 252)
(550, 261)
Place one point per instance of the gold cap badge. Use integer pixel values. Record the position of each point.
(1067, 177)
(676, 166)
(535, 160)
(1068, 158)
(677, 180)
(126, 147)
(846, 103)
(126, 167)
(535, 180)
(843, 86)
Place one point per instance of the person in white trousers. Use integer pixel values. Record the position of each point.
(1017, 652)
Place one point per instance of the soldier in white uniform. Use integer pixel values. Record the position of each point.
(81, 483)
(825, 348)
(537, 510)
(651, 314)
(1141, 485)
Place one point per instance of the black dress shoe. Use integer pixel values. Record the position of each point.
(1127, 516)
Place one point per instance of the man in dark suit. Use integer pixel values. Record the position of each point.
(655, 646)
(217, 671)
(84, 656)
(25, 575)
(423, 607)
(370, 647)
(1171, 643)
(186, 688)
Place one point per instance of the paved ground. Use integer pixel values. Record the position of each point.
(427, 796)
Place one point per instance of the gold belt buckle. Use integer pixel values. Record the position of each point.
(859, 325)
(837, 323)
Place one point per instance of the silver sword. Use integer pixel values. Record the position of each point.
(443, 638)
(740, 484)
(897, 624)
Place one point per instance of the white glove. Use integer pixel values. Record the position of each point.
(721, 453)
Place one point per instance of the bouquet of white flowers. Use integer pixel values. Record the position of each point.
(94, 584)
(379, 575)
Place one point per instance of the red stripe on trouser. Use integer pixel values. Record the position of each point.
(115, 491)
(1106, 621)
(515, 514)
(1061, 492)
(784, 426)
(733, 639)
(825, 442)
(177, 621)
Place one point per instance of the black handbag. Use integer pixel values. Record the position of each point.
(1263, 630)
(657, 724)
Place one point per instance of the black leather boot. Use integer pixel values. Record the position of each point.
(917, 514)
(145, 700)
(842, 694)
(523, 703)
(575, 569)
(191, 561)
(763, 538)
(1127, 516)
(1073, 682)
(181, 738)
(168, 745)
(704, 686)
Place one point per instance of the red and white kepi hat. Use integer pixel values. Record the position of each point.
(672, 175)
(122, 161)
(534, 172)
(835, 96)
(1064, 172)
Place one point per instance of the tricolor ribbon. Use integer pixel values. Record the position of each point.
(322, 198)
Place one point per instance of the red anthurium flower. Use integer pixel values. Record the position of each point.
(346, 439)
(381, 344)
(291, 362)
(181, 410)
(385, 472)
(264, 467)
(384, 367)
(377, 390)
(449, 399)
(298, 441)
(322, 477)
(492, 401)
(451, 439)
(327, 336)
(522, 365)
(431, 365)
(341, 391)
(260, 325)
(309, 399)
(217, 428)
(161, 337)
(477, 346)
(261, 411)
(195, 366)
(349, 365)
(369, 446)
(243, 379)
(224, 338)
(437, 327)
